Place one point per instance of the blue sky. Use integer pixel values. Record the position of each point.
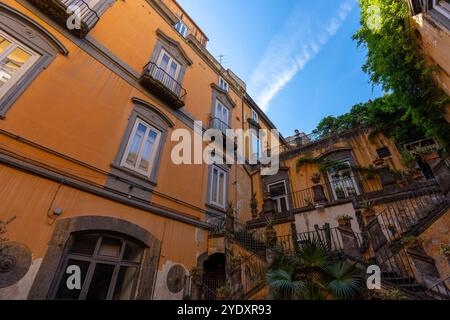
(296, 56)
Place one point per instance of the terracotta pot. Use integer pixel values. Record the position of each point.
(378, 162)
(315, 180)
(430, 156)
(254, 213)
(344, 222)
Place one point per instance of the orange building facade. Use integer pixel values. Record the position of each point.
(88, 113)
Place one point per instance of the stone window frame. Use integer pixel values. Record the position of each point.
(151, 115)
(96, 258)
(174, 49)
(281, 176)
(44, 282)
(218, 94)
(32, 35)
(342, 155)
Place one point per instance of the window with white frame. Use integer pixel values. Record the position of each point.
(255, 116)
(142, 148)
(218, 187)
(342, 181)
(168, 71)
(15, 60)
(278, 193)
(182, 29)
(223, 84)
(442, 6)
(221, 117)
(255, 146)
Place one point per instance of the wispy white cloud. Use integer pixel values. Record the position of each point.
(290, 51)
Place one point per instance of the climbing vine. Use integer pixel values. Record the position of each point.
(395, 63)
(414, 106)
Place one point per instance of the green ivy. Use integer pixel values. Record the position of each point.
(414, 105)
(395, 63)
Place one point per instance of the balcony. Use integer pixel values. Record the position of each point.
(63, 10)
(216, 123)
(163, 85)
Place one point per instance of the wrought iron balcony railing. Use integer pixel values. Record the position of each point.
(162, 84)
(75, 15)
(216, 123)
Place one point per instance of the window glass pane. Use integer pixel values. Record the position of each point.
(110, 247)
(173, 70)
(148, 151)
(124, 284)
(4, 44)
(277, 190)
(214, 185)
(84, 244)
(64, 293)
(133, 252)
(101, 280)
(221, 188)
(12, 63)
(283, 204)
(218, 110)
(164, 61)
(133, 153)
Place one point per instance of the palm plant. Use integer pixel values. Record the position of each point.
(314, 273)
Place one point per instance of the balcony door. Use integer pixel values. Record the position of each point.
(221, 116)
(342, 182)
(168, 71)
(278, 193)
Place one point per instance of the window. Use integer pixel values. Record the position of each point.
(223, 84)
(255, 116)
(182, 29)
(442, 6)
(109, 264)
(142, 148)
(342, 181)
(15, 60)
(168, 71)
(221, 117)
(278, 193)
(218, 187)
(255, 147)
(384, 152)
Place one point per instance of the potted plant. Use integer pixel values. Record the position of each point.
(344, 220)
(367, 207)
(236, 260)
(223, 293)
(196, 273)
(445, 250)
(270, 233)
(340, 194)
(410, 242)
(315, 178)
(378, 162)
(254, 206)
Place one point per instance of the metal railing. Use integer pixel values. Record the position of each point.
(335, 190)
(216, 123)
(59, 10)
(440, 290)
(331, 237)
(86, 13)
(165, 79)
(253, 272)
(401, 216)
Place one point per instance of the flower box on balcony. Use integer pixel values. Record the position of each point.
(162, 85)
(64, 13)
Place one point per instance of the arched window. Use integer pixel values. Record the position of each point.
(99, 266)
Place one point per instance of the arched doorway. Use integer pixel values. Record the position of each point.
(214, 275)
